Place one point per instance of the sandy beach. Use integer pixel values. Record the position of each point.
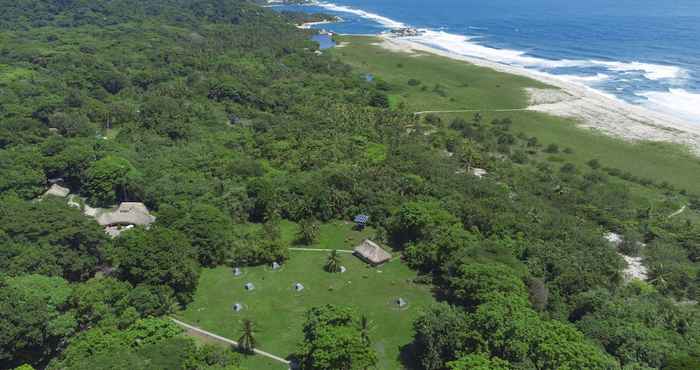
(590, 108)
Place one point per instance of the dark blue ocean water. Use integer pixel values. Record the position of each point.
(641, 51)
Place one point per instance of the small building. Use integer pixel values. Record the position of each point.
(371, 253)
(249, 286)
(478, 172)
(361, 221)
(128, 213)
(298, 287)
(57, 191)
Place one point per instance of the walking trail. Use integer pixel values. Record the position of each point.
(226, 340)
(469, 110)
(678, 212)
(320, 250)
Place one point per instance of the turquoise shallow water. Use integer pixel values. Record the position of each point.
(642, 51)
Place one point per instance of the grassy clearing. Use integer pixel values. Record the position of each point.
(278, 311)
(466, 86)
(332, 235)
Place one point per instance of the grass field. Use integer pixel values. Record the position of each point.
(465, 86)
(332, 235)
(278, 310)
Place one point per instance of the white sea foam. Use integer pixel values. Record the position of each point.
(677, 102)
(651, 71)
(599, 77)
(384, 21)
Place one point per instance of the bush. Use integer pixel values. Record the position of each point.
(413, 82)
(552, 148)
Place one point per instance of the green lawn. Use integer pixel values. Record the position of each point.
(278, 311)
(332, 235)
(466, 86)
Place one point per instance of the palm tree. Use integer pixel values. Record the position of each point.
(333, 263)
(366, 325)
(247, 343)
(658, 273)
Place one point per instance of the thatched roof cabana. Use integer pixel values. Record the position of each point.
(128, 213)
(57, 191)
(372, 253)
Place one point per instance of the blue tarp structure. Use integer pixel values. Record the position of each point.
(361, 219)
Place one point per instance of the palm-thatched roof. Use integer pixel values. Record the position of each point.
(57, 191)
(128, 213)
(372, 252)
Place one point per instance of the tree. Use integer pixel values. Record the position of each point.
(475, 283)
(157, 256)
(55, 237)
(478, 361)
(109, 180)
(440, 335)
(308, 231)
(247, 341)
(208, 229)
(333, 262)
(34, 319)
(379, 100)
(333, 340)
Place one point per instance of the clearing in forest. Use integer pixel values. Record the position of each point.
(278, 310)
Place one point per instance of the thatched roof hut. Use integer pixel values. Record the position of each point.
(57, 191)
(372, 253)
(128, 213)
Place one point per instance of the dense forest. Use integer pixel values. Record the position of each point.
(217, 114)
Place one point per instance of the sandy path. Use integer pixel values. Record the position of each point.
(469, 110)
(678, 212)
(198, 332)
(592, 109)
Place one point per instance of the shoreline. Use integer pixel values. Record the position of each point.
(591, 109)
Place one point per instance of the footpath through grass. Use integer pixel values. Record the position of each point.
(446, 84)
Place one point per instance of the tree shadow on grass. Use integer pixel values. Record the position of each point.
(407, 357)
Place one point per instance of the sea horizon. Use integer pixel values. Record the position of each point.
(631, 52)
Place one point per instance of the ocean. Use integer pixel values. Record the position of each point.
(644, 52)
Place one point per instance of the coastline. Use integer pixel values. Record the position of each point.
(590, 108)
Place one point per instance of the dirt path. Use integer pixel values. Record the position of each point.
(678, 212)
(320, 250)
(201, 332)
(470, 110)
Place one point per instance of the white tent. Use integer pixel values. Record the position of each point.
(249, 286)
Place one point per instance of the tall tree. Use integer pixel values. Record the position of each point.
(247, 341)
(333, 340)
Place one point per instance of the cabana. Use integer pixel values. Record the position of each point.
(371, 253)
(128, 213)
